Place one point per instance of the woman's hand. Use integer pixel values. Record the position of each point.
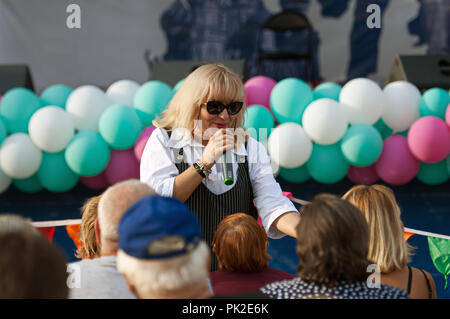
(220, 142)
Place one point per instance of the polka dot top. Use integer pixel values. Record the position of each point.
(299, 289)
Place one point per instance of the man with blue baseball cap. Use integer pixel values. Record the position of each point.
(161, 252)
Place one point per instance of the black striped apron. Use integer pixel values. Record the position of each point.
(211, 208)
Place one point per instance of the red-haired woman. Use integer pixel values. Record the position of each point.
(240, 245)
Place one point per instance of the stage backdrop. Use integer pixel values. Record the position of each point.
(114, 36)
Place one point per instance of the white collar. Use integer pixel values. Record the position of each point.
(178, 142)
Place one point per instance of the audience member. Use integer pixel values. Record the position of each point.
(16, 223)
(90, 247)
(161, 253)
(240, 245)
(30, 266)
(332, 246)
(387, 247)
(99, 277)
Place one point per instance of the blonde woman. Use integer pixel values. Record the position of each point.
(181, 159)
(387, 246)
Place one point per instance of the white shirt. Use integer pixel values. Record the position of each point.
(158, 170)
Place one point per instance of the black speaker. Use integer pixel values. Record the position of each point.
(12, 76)
(171, 72)
(424, 71)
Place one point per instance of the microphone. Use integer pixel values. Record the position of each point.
(227, 169)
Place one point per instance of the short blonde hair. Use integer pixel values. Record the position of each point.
(387, 246)
(207, 82)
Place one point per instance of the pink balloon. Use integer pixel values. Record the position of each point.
(429, 139)
(396, 164)
(142, 141)
(258, 89)
(95, 182)
(447, 115)
(122, 165)
(363, 175)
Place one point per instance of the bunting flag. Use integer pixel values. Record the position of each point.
(47, 232)
(74, 233)
(47, 228)
(406, 235)
(440, 255)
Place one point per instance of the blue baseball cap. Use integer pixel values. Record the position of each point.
(158, 227)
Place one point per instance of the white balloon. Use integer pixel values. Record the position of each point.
(402, 105)
(5, 181)
(325, 121)
(19, 157)
(86, 104)
(51, 128)
(363, 100)
(289, 146)
(122, 92)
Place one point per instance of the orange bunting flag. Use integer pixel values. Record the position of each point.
(74, 232)
(47, 232)
(406, 235)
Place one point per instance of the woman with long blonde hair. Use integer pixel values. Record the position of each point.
(203, 120)
(387, 248)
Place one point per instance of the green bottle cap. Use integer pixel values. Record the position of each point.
(228, 181)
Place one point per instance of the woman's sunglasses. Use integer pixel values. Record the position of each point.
(216, 107)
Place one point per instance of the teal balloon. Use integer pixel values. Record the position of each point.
(384, 130)
(289, 99)
(327, 90)
(3, 131)
(87, 153)
(17, 106)
(258, 121)
(120, 126)
(178, 85)
(55, 175)
(362, 144)
(327, 164)
(28, 185)
(55, 95)
(151, 99)
(433, 174)
(434, 102)
(295, 175)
